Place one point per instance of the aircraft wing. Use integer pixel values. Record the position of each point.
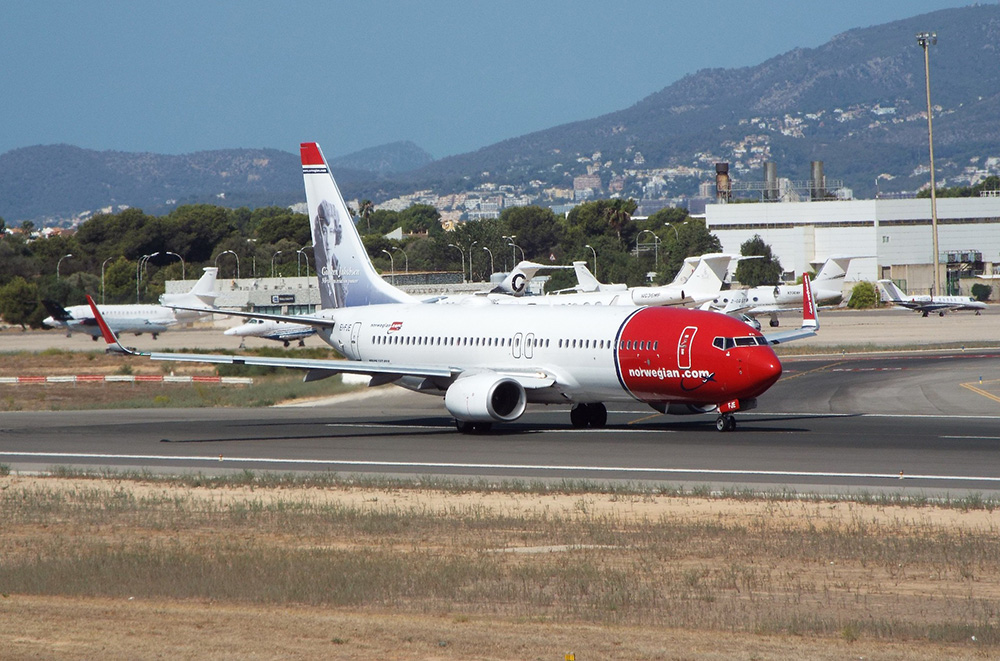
(307, 320)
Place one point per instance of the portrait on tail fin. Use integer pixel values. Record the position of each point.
(327, 234)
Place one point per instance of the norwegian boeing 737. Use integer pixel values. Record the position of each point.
(489, 362)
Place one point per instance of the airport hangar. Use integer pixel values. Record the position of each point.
(891, 237)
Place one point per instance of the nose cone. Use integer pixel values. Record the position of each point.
(232, 331)
(764, 369)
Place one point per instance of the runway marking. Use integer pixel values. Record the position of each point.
(980, 391)
(822, 368)
(575, 430)
(976, 438)
(902, 475)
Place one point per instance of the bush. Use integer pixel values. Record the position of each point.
(981, 292)
(864, 295)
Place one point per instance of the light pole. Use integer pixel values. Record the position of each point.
(491, 258)
(183, 270)
(461, 251)
(406, 259)
(303, 253)
(138, 266)
(60, 262)
(102, 277)
(392, 265)
(677, 236)
(272, 261)
(234, 255)
(474, 243)
(595, 257)
(925, 40)
(514, 248)
(656, 247)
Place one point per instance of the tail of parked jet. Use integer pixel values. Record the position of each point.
(890, 292)
(203, 293)
(347, 277)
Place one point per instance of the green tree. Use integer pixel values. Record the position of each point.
(288, 225)
(981, 291)
(863, 296)
(18, 301)
(421, 219)
(536, 230)
(756, 272)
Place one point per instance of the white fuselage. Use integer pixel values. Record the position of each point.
(138, 318)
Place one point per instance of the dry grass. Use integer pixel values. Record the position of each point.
(795, 578)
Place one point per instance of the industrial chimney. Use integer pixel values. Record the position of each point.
(771, 192)
(817, 183)
(723, 189)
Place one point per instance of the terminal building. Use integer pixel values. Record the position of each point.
(891, 238)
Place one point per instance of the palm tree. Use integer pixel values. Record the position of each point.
(366, 210)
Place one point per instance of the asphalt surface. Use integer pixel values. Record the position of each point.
(926, 422)
(917, 423)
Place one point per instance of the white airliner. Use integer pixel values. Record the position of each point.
(138, 319)
(488, 362)
(925, 304)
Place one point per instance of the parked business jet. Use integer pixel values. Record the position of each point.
(925, 304)
(138, 319)
(782, 299)
(490, 361)
(698, 281)
(269, 329)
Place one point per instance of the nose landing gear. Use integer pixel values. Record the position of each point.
(725, 422)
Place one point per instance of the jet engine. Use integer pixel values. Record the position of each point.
(657, 296)
(486, 397)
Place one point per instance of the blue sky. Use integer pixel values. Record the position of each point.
(177, 76)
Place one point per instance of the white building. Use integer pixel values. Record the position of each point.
(894, 235)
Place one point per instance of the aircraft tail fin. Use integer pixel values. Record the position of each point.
(517, 280)
(890, 292)
(203, 293)
(586, 281)
(708, 277)
(56, 311)
(346, 275)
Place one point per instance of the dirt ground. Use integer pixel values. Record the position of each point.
(58, 627)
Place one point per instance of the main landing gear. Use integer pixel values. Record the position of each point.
(725, 422)
(466, 427)
(589, 415)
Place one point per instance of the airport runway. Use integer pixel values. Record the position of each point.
(920, 423)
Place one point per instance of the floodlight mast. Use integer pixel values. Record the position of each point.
(925, 40)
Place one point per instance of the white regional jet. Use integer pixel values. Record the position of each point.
(138, 319)
(488, 362)
(926, 304)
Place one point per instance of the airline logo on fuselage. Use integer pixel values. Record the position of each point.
(396, 326)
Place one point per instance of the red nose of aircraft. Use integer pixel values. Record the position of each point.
(764, 369)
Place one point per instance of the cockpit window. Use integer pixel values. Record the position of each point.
(726, 343)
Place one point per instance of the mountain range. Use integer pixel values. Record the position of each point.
(857, 103)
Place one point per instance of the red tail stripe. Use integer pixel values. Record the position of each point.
(311, 154)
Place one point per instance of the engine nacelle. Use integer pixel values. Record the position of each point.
(485, 398)
(656, 296)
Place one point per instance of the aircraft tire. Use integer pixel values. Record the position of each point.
(579, 415)
(597, 415)
(725, 422)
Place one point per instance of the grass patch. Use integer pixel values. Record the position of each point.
(259, 540)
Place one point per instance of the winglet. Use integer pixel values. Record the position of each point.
(809, 317)
(109, 335)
